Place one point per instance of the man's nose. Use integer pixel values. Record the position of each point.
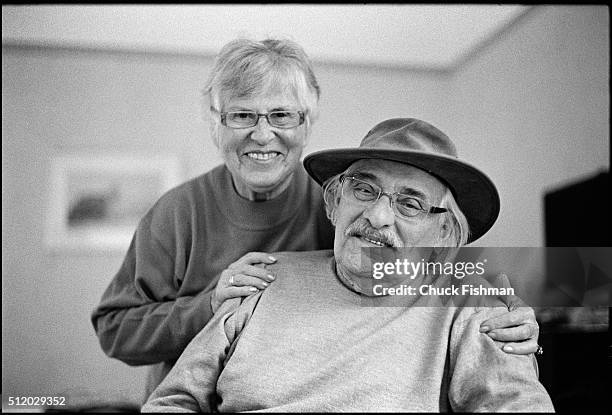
(380, 214)
(263, 133)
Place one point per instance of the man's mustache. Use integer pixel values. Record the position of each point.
(361, 227)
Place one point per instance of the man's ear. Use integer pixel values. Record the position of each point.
(333, 217)
(445, 229)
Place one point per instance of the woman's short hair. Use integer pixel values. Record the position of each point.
(245, 68)
(455, 219)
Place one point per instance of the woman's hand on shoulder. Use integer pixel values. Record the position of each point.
(242, 278)
(517, 329)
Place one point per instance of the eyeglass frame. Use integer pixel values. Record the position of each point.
(392, 198)
(223, 115)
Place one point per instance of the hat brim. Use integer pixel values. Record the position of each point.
(474, 192)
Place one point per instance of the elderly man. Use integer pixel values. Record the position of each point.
(311, 343)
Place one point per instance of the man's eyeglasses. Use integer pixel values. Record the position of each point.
(366, 193)
(248, 119)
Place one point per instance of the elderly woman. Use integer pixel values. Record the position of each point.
(317, 339)
(206, 240)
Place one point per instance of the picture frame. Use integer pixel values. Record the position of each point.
(96, 201)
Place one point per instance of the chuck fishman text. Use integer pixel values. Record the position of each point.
(465, 289)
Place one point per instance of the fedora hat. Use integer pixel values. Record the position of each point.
(420, 144)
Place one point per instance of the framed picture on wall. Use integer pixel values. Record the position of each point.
(96, 201)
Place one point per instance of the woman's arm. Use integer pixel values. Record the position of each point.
(142, 318)
(164, 294)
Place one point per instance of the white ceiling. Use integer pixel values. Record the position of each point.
(422, 36)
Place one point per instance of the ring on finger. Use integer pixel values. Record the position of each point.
(540, 351)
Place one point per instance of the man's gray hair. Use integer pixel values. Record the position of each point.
(456, 220)
(245, 68)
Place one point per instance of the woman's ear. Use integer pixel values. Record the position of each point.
(205, 103)
(308, 133)
(210, 117)
(213, 129)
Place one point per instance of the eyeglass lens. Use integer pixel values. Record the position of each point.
(282, 119)
(404, 205)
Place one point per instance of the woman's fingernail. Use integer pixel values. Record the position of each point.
(271, 258)
(484, 329)
(492, 334)
(252, 289)
(265, 284)
(271, 277)
(508, 348)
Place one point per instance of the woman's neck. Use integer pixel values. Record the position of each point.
(249, 194)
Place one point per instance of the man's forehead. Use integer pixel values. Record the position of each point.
(387, 169)
(402, 175)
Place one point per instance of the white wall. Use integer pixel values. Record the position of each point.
(531, 110)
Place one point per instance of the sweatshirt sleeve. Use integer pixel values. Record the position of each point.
(484, 378)
(191, 385)
(142, 317)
